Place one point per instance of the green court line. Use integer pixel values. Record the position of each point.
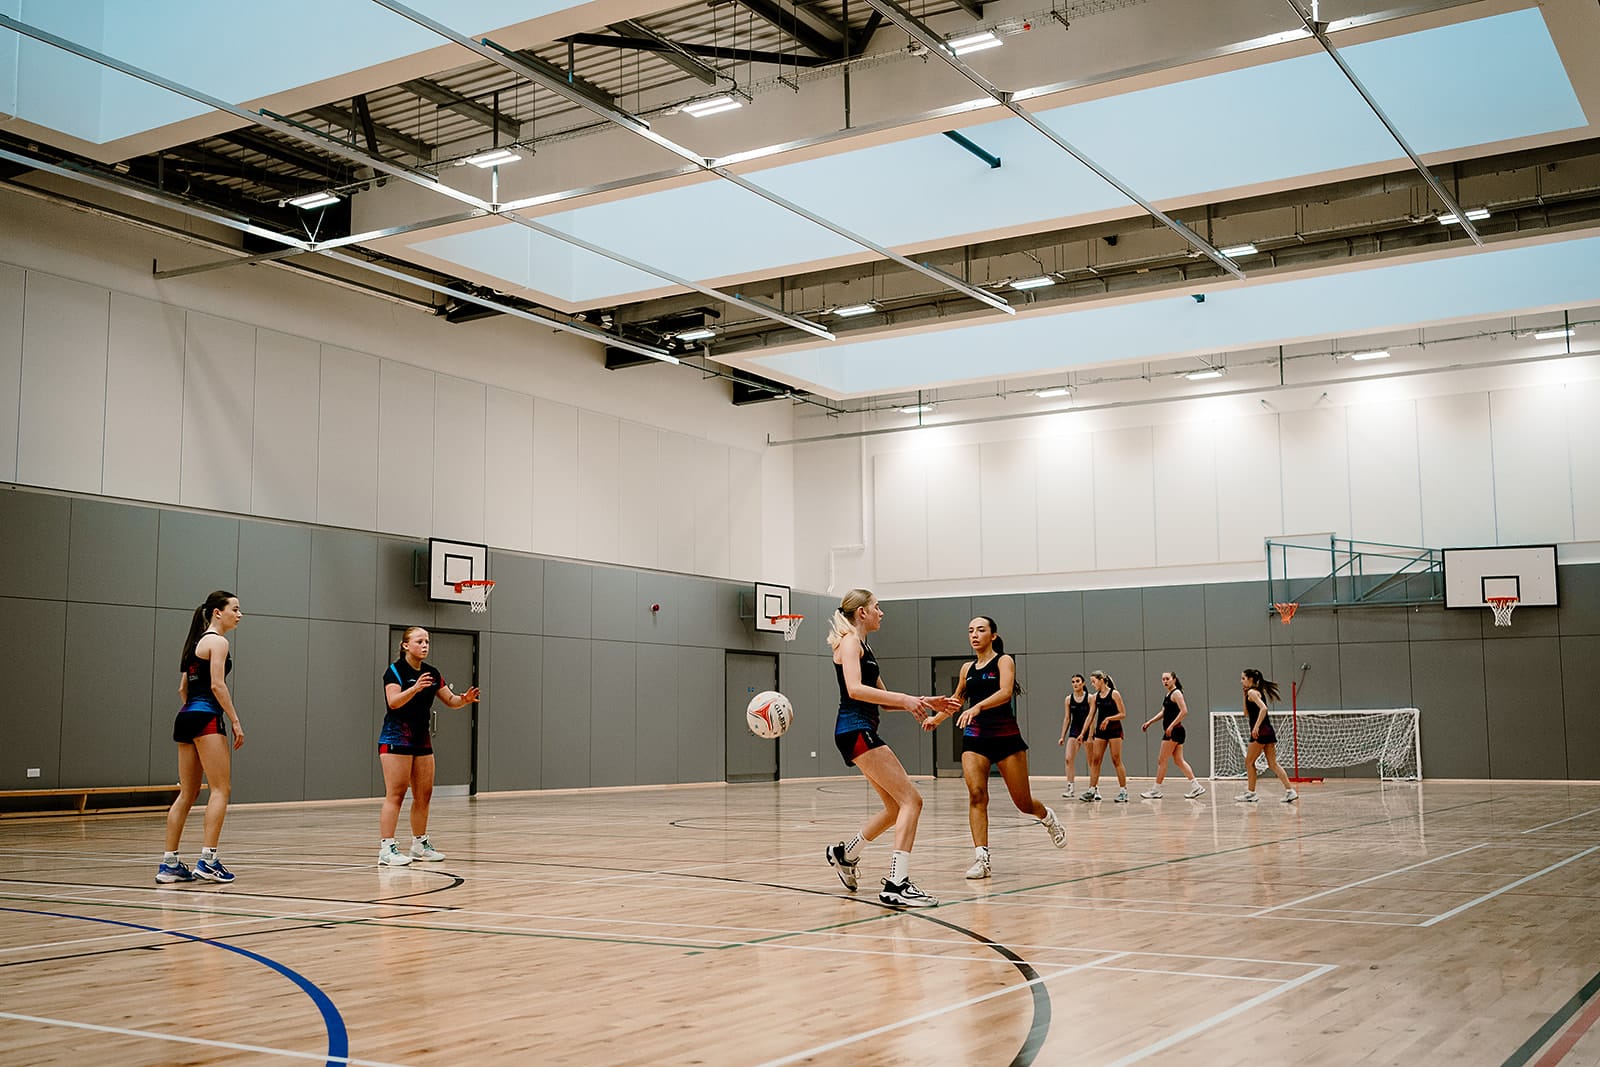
(1553, 1025)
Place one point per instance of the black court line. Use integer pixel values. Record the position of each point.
(1554, 1024)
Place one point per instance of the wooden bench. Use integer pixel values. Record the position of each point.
(21, 803)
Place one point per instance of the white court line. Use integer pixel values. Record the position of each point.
(1205, 1024)
(1220, 915)
(1558, 822)
(1364, 881)
(320, 1057)
(1506, 889)
(796, 1057)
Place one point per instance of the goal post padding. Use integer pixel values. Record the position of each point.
(1327, 739)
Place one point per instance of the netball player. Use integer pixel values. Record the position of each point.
(1076, 714)
(202, 738)
(861, 696)
(1173, 711)
(1103, 730)
(405, 747)
(989, 737)
(1263, 739)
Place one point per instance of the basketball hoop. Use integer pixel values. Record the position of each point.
(1502, 606)
(477, 591)
(1286, 611)
(791, 624)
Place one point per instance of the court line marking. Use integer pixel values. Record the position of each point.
(1218, 915)
(1453, 912)
(320, 1057)
(1558, 822)
(796, 1057)
(1361, 882)
(1221, 1017)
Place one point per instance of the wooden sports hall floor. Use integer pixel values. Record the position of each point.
(1447, 922)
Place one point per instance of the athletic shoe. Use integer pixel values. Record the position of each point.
(845, 868)
(212, 871)
(422, 849)
(1290, 797)
(1247, 797)
(1122, 796)
(389, 855)
(979, 868)
(1089, 795)
(168, 873)
(1072, 789)
(1058, 833)
(1153, 794)
(1194, 791)
(905, 895)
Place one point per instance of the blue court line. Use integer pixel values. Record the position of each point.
(338, 1037)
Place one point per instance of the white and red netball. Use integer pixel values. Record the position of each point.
(769, 714)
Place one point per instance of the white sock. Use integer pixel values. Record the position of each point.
(170, 857)
(900, 867)
(419, 840)
(209, 855)
(852, 847)
(385, 843)
(1049, 816)
(982, 851)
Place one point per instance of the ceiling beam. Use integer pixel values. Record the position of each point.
(391, 137)
(672, 53)
(451, 100)
(218, 165)
(735, 55)
(793, 22)
(283, 153)
(364, 118)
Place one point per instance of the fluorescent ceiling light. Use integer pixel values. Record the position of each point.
(311, 200)
(712, 106)
(1051, 394)
(699, 333)
(1475, 214)
(1033, 283)
(1380, 353)
(492, 158)
(916, 409)
(1203, 375)
(1551, 335)
(1235, 251)
(850, 311)
(974, 42)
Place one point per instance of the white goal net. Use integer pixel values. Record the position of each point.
(1324, 740)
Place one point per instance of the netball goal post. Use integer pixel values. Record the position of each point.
(1325, 740)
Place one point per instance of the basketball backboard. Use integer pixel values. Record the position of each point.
(1473, 575)
(450, 562)
(771, 600)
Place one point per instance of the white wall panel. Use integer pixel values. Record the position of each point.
(1124, 501)
(599, 485)
(12, 282)
(1457, 473)
(676, 526)
(1008, 512)
(1185, 472)
(219, 376)
(555, 477)
(1316, 471)
(899, 534)
(644, 495)
(458, 459)
(1249, 486)
(350, 441)
(1583, 428)
(404, 482)
(955, 529)
(144, 400)
(508, 463)
(1385, 504)
(283, 471)
(61, 431)
(1532, 475)
(711, 514)
(1065, 471)
(746, 516)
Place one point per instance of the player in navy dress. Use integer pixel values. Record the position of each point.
(1174, 709)
(990, 737)
(1103, 732)
(862, 695)
(1073, 717)
(202, 737)
(405, 747)
(1263, 738)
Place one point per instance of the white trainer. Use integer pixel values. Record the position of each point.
(980, 866)
(1194, 791)
(1072, 790)
(1247, 797)
(1122, 796)
(389, 855)
(1290, 797)
(422, 849)
(1153, 794)
(1058, 833)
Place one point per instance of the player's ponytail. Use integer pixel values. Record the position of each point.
(1269, 689)
(1103, 676)
(202, 619)
(843, 623)
(1000, 650)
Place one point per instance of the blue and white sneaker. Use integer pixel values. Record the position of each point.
(168, 873)
(212, 871)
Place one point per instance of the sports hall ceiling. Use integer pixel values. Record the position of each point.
(1053, 207)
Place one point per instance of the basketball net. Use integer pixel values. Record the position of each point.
(791, 624)
(1502, 606)
(477, 592)
(1286, 611)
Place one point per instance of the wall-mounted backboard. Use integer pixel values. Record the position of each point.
(450, 562)
(1473, 575)
(770, 600)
